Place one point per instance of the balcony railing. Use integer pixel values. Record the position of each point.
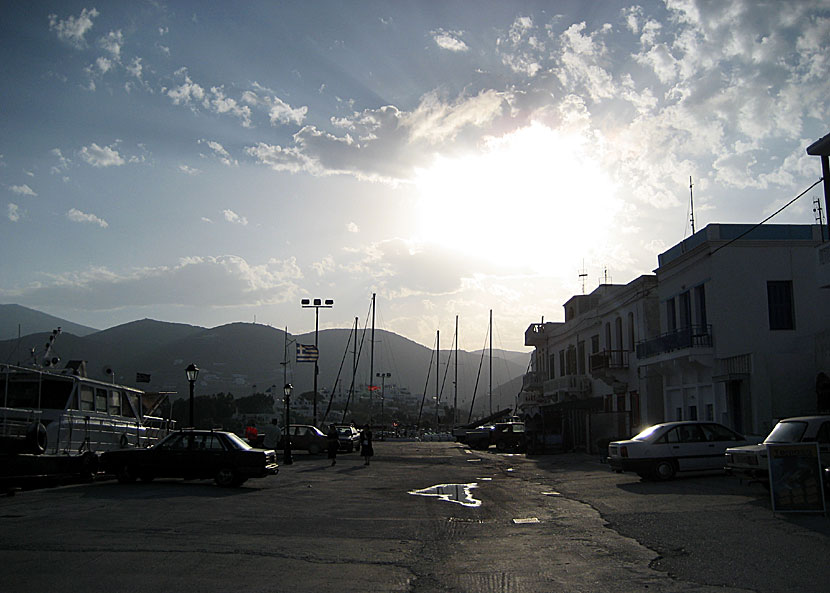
(574, 385)
(609, 359)
(693, 336)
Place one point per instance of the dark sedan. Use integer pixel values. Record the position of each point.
(193, 454)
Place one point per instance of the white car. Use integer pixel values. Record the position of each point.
(663, 450)
(752, 461)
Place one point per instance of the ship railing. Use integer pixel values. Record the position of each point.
(15, 422)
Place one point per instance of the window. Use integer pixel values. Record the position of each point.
(87, 399)
(631, 332)
(580, 357)
(710, 412)
(100, 399)
(671, 320)
(563, 370)
(551, 366)
(115, 403)
(618, 344)
(823, 435)
(685, 309)
(595, 344)
(692, 412)
(780, 300)
(700, 305)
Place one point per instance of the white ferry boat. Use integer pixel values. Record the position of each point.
(65, 413)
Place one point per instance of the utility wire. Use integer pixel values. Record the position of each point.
(788, 204)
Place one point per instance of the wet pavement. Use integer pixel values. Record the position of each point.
(422, 517)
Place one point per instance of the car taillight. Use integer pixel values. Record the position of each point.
(623, 451)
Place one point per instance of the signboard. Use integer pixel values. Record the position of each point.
(795, 478)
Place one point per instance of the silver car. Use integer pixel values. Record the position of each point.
(661, 451)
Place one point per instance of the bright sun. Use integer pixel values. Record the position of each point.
(535, 198)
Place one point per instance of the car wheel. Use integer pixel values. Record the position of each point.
(664, 470)
(501, 446)
(126, 474)
(226, 477)
(314, 449)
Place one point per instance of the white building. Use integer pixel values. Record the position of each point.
(734, 327)
(743, 322)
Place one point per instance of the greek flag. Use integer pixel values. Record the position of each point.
(307, 353)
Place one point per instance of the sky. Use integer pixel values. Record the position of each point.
(215, 162)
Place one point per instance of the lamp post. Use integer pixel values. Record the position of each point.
(316, 304)
(192, 372)
(286, 437)
(382, 393)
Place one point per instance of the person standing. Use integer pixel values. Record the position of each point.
(366, 449)
(272, 435)
(333, 442)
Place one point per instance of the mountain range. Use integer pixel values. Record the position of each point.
(244, 358)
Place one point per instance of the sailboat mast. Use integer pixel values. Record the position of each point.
(437, 373)
(491, 362)
(455, 382)
(372, 362)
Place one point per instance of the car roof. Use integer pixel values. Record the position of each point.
(805, 418)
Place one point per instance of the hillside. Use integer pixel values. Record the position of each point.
(29, 321)
(242, 358)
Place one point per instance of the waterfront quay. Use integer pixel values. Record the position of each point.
(503, 523)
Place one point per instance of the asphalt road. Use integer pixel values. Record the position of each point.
(562, 523)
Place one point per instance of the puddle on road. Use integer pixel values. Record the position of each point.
(457, 493)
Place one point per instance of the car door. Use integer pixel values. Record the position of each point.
(823, 439)
(688, 446)
(171, 456)
(207, 455)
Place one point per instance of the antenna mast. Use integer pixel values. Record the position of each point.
(582, 276)
(691, 205)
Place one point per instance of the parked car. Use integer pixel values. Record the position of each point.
(751, 461)
(348, 436)
(305, 437)
(193, 454)
(662, 450)
(509, 436)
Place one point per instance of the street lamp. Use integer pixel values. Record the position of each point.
(382, 390)
(316, 304)
(286, 437)
(192, 372)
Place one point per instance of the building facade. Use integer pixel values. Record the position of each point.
(734, 327)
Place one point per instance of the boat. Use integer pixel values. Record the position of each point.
(59, 420)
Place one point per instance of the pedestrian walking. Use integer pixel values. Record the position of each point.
(272, 435)
(333, 442)
(366, 449)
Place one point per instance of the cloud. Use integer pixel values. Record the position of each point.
(520, 48)
(384, 144)
(352, 227)
(113, 43)
(449, 40)
(72, 29)
(234, 218)
(189, 170)
(279, 112)
(13, 212)
(98, 156)
(76, 215)
(187, 91)
(23, 190)
(220, 152)
(63, 162)
(220, 281)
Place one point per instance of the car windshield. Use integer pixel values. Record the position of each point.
(787, 432)
(345, 431)
(647, 433)
(238, 442)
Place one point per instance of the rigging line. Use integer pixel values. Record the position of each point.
(788, 204)
(478, 376)
(426, 386)
(339, 371)
(446, 372)
(357, 363)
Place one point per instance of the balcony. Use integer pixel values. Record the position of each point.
(567, 387)
(535, 335)
(693, 336)
(609, 359)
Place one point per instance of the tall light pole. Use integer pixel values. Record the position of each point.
(286, 433)
(316, 304)
(192, 372)
(382, 397)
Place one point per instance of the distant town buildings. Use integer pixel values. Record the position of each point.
(734, 327)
